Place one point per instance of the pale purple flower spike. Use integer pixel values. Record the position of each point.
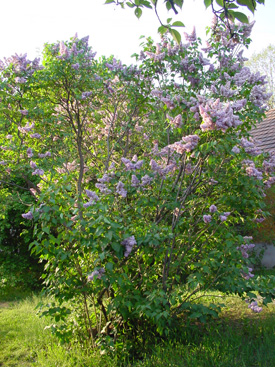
(254, 307)
(97, 274)
(129, 244)
(207, 218)
(27, 215)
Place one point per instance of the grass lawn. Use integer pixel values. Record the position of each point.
(238, 338)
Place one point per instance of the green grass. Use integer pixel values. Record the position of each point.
(238, 338)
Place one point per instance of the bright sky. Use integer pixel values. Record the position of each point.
(26, 25)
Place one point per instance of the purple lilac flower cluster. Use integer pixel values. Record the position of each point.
(93, 198)
(191, 141)
(29, 127)
(96, 274)
(129, 243)
(120, 189)
(131, 166)
(207, 218)
(251, 170)
(224, 216)
(28, 215)
(250, 147)
(176, 121)
(254, 307)
(158, 169)
(217, 115)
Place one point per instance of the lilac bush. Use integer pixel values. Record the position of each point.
(145, 177)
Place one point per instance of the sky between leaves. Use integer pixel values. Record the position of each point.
(27, 25)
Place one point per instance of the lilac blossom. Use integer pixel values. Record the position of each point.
(250, 147)
(3, 163)
(28, 215)
(38, 172)
(135, 181)
(92, 195)
(33, 164)
(252, 171)
(217, 115)
(238, 105)
(20, 80)
(235, 150)
(156, 93)
(121, 190)
(190, 141)
(207, 218)
(112, 165)
(24, 112)
(249, 275)
(129, 243)
(168, 102)
(9, 136)
(131, 166)
(146, 180)
(105, 178)
(86, 95)
(96, 274)
(269, 182)
(102, 188)
(223, 217)
(254, 307)
(259, 96)
(259, 220)
(191, 37)
(245, 249)
(75, 66)
(176, 121)
(26, 128)
(29, 152)
(43, 155)
(213, 208)
(35, 136)
(63, 50)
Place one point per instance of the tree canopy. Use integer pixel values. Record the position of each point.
(264, 63)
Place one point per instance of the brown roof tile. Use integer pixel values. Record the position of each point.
(264, 132)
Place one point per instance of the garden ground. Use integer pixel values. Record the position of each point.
(238, 338)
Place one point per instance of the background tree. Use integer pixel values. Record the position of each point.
(264, 63)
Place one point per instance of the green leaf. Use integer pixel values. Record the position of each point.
(147, 4)
(248, 4)
(179, 3)
(169, 20)
(162, 30)
(220, 2)
(109, 266)
(178, 24)
(207, 3)
(168, 5)
(175, 34)
(240, 16)
(130, 5)
(138, 12)
(109, 1)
